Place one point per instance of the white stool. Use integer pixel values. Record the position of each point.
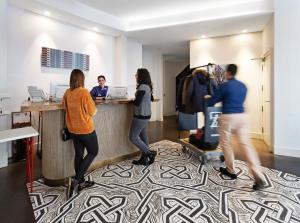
(28, 134)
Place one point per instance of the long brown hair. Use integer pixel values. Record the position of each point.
(143, 77)
(76, 79)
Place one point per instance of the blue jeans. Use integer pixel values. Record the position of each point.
(138, 134)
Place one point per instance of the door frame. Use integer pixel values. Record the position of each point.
(269, 54)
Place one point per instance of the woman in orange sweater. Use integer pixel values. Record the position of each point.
(80, 108)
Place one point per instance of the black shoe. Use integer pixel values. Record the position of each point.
(85, 184)
(139, 161)
(152, 157)
(153, 152)
(142, 161)
(225, 172)
(258, 185)
(72, 188)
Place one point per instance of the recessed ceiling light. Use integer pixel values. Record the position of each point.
(203, 36)
(95, 29)
(47, 13)
(244, 30)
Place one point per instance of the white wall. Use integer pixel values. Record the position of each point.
(268, 36)
(152, 60)
(134, 61)
(239, 49)
(115, 57)
(286, 77)
(28, 32)
(128, 58)
(3, 75)
(171, 68)
(120, 70)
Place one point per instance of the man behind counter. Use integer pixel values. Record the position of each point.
(99, 92)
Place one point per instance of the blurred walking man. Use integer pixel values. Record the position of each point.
(232, 94)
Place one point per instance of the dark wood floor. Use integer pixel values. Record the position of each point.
(15, 205)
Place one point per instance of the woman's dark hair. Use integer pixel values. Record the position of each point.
(76, 79)
(232, 68)
(101, 76)
(143, 77)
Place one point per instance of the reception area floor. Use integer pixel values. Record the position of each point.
(173, 201)
(175, 188)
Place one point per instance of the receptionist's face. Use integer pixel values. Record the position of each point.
(101, 82)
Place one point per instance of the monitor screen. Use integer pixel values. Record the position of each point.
(60, 90)
(116, 93)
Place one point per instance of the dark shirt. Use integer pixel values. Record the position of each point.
(232, 94)
(99, 92)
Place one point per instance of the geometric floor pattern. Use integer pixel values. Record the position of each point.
(177, 188)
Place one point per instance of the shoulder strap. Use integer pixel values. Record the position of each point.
(65, 112)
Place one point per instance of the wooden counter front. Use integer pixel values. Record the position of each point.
(112, 124)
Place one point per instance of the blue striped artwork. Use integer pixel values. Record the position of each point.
(54, 58)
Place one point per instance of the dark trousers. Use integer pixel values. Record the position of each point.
(81, 141)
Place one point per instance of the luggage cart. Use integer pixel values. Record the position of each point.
(190, 122)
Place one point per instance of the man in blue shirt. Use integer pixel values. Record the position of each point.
(232, 94)
(99, 92)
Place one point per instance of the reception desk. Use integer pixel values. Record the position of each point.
(112, 123)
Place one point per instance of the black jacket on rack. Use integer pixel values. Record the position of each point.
(190, 90)
(180, 78)
(198, 88)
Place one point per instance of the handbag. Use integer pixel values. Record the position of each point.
(65, 134)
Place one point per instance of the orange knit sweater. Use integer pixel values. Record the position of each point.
(80, 108)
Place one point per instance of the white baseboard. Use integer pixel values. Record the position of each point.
(287, 151)
(255, 135)
(156, 119)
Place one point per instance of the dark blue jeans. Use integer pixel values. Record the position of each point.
(82, 141)
(138, 134)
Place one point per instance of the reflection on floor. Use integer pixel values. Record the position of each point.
(176, 188)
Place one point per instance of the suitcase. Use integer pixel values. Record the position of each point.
(207, 144)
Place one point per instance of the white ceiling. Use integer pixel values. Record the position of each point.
(164, 24)
(131, 10)
(175, 39)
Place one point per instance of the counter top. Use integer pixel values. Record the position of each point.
(50, 106)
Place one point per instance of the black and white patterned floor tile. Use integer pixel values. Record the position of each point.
(176, 188)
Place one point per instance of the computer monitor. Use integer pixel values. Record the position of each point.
(117, 93)
(60, 90)
(57, 90)
(36, 94)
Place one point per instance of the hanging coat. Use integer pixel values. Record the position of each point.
(200, 86)
(187, 106)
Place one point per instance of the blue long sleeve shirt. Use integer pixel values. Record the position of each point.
(232, 94)
(98, 92)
